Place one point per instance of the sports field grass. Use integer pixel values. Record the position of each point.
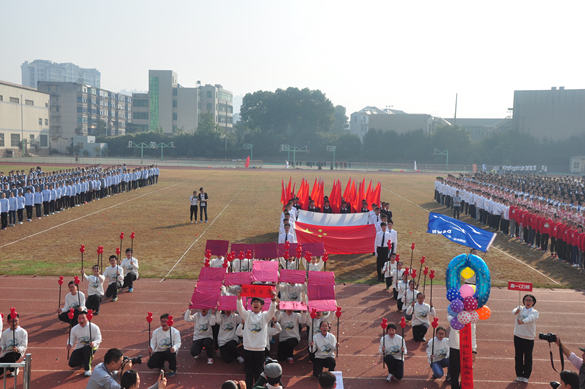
(244, 207)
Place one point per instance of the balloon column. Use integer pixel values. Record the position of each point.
(467, 305)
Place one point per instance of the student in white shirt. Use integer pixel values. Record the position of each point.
(316, 263)
(524, 334)
(389, 270)
(240, 265)
(290, 291)
(393, 348)
(286, 236)
(72, 300)
(29, 201)
(255, 335)
(290, 336)
(227, 339)
(95, 289)
(420, 312)
(130, 266)
(115, 276)
(194, 200)
(164, 346)
(438, 353)
(324, 346)
(85, 343)
(381, 249)
(393, 236)
(202, 333)
(401, 287)
(12, 352)
(408, 299)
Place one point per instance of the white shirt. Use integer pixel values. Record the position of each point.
(529, 317)
(113, 273)
(393, 346)
(194, 200)
(80, 336)
(290, 324)
(21, 341)
(441, 349)
(286, 238)
(74, 302)
(421, 314)
(382, 240)
(255, 328)
(202, 326)
(227, 327)
(161, 340)
(324, 346)
(95, 284)
(130, 266)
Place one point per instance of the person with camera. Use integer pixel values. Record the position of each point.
(524, 334)
(131, 380)
(575, 361)
(272, 372)
(107, 375)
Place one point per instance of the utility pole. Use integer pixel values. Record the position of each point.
(455, 117)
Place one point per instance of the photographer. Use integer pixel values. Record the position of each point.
(524, 334)
(108, 373)
(575, 360)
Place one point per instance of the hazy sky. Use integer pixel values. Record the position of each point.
(412, 55)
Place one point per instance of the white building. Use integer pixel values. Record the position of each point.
(41, 70)
(24, 114)
(170, 107)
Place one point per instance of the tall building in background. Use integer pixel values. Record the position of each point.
(24, 114)
(170, 107)
(41, 70)
(77, 109)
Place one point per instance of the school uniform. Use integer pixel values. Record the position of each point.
(20, 342)
(202, 333)
(439, 349)
(227, 338)
(75, 302)
(12, 206)
(29, 201)
(80, 339)
(313, 266)
(382, 251)
(161, 343)
(391, 349)
(20, 200)
(284, 237)
(193, 210)
(324, 348)
(420, 320)
(4, 208)
(130, 267)
(202, 206)
(240, 265)
(95, 292)
(409, 298)
(524, 335)
(388, 271)
(290, 335)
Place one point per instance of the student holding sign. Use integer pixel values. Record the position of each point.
(202, 333)
(255, 335)
(290, 336)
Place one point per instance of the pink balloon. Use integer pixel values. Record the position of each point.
(474, 317)
(466, 291)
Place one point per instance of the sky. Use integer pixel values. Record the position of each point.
(414, 56)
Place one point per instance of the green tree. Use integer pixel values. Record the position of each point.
(340, 118)
(207, 124)
(100, 129)
(456, 140)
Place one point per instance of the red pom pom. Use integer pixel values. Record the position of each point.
(89, 314)
(313, 313)
(432, 274)
(241, 256)
(412, 247)
(422, 260)
(170, 321)
(132, 235)
(121, 235)
(435, 322)
(118, 251)
(338, 312)
(413, 273)
(384, 323)
(426, 271)
(402, 322)
(71, 314)
(60, 280)
(149, 317)
(407, 271)
(77, 280)
(287, 245)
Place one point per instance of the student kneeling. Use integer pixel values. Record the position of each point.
(164, 346)
(420, 317)
(324, 346)
(393, 349)
(85, 343)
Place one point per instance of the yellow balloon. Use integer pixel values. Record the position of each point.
(474, 289)
(467, 273)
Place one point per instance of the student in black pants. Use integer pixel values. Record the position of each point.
(202, 205)
(193, 200)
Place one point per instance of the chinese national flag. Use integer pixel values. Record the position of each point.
(338, 240)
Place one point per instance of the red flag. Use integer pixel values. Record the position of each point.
(369, 197)
(292, 194)
(376, 194)
(466, 357)
(314, 190)
(247, 164)
(338, 240)
(347, 189)
(288, 189)
(352, 197)
(282, 193)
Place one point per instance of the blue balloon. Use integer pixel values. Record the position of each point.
(450, 311)
(482, 276)
(457, 306)
(453, 294)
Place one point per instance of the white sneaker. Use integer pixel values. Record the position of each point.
(196, 356)
(389, 378)
(14, 373)
(240, 359)
(210, 361)
(87, 373)
(519, 379)
(525, 380)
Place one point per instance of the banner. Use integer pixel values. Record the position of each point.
(205, 295)
(262, 291)
(466, 357)
(460, 232)
(266, 250)
(237, 247)
(294, 276)
(323, 305)
(228, 303)
(321, 292)
(520, 286)
(293, 305)
(212, 274)
(316, 249)
(217, 247)
(338, 240)
(321, 278)
(265, 271)
(239, 278)
(333, 219)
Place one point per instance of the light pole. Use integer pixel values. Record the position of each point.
(249, 146)
(445, 153)
(332, 149)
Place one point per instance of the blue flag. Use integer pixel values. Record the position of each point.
(460, 232)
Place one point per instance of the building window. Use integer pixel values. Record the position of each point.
(209, 106)
(174, 103)
(1, 140)
(46, 122)
(1, 98)
(40, 121)
(208, 94)
(141, 103)
(140, 115)
(174, 116)
(44, 141)
(14, 100)
(29, 102)
(15, 140)
(32, 138)
(174, 91)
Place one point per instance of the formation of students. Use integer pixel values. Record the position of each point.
(48, 193)
(544, 213)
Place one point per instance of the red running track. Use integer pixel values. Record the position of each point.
(124, 326)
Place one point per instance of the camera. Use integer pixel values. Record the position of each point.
(135, 361)
(550, 337)
(269, 360)
(555, 384)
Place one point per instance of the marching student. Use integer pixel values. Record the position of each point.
(255, 335)
(420, 312)
(85, 343)
(164, 346)
(12, 205)
(290, 335)
(29, 202)
(396, 279)
(524, 334)
(130, 266)
(227, 339)
(393, 349)
(72, 300)
(193, 210)
(202, 205)
(286, 236)
(202, 333)
(381, 249)
(438, 353)
(388, 270)
(115, 276)
(20, 206)
(95, 289)
(324, 346)
(11, 352)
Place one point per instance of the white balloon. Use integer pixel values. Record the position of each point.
(464, 317)
(474, 317)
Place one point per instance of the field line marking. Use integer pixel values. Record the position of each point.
(503, 252)
(203, 233)
(90, 214)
